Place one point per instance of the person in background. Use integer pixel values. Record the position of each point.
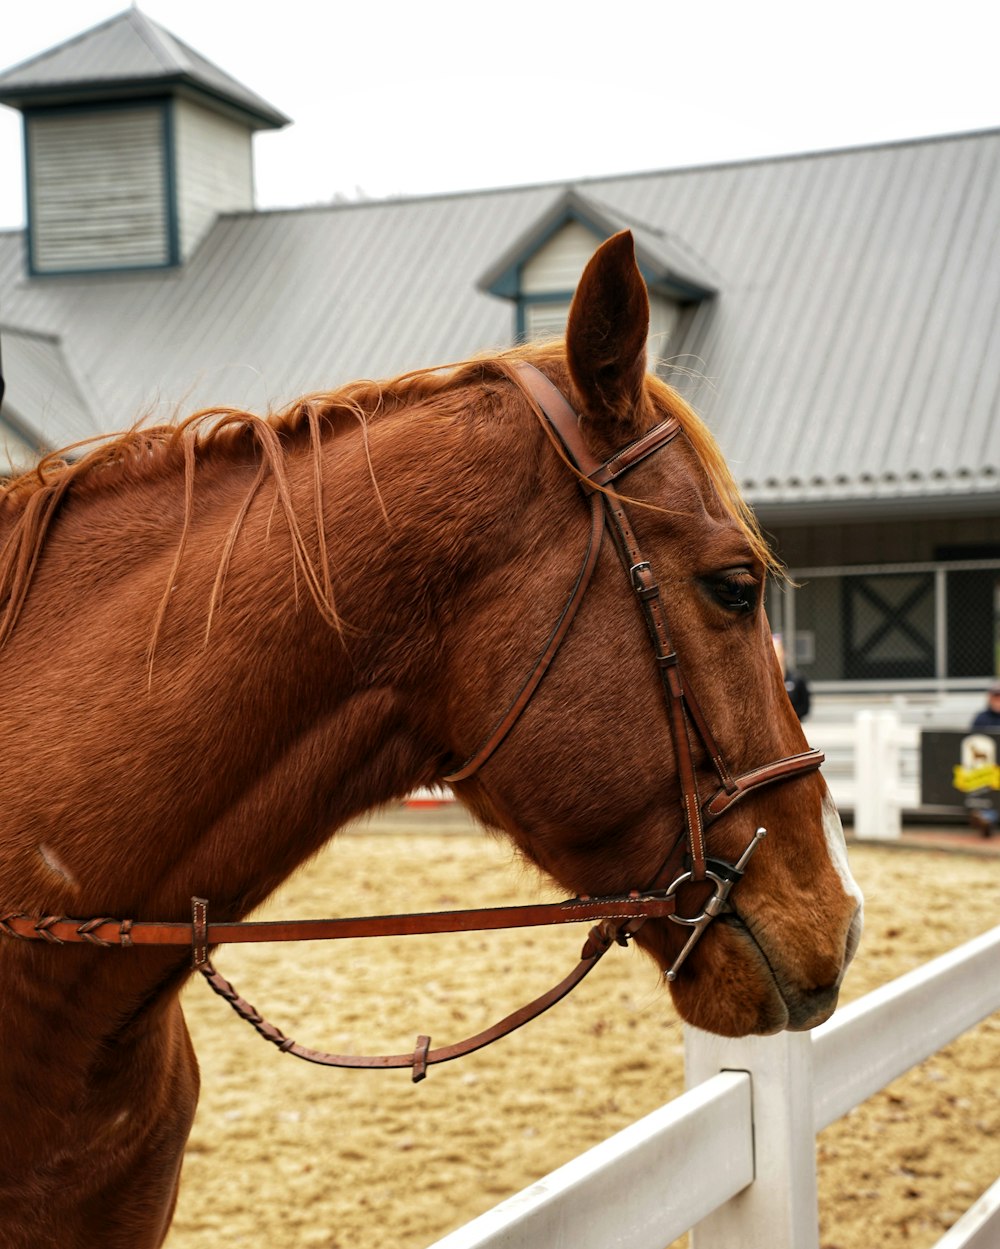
(795, 683)
(981, 804)
(989, 717)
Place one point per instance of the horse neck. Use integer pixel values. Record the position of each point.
(215, 769)
(219, 765)
(417, 510)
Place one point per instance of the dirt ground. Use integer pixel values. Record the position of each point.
(289, 1155)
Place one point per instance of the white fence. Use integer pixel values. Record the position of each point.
(872, 768)
(734, 1158)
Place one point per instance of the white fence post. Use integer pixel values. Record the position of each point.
(780, 1209)
(876, 771)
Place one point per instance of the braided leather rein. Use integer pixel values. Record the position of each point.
(618, 916)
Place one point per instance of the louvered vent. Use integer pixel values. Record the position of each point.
(545, 320)
(97, 183)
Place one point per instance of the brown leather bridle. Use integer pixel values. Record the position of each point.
(619, 916)
(684, 715)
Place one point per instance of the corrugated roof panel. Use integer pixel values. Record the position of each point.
(41, 393)
(866, 353)
(772, 382)
(847, 250)
(908, 333)
(114, 49)
(852, 350)
(958, 325)
(746, 348)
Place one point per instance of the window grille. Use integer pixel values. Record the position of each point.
(908, 624)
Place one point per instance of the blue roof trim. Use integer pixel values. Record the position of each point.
(171, 208)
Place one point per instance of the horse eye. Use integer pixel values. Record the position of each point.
(735, 589)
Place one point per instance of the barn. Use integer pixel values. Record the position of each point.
(835, 316)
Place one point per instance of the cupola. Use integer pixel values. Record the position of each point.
(133, 144)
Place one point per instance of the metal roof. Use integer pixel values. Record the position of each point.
(42, 400)
(851, 355)
(123, 57)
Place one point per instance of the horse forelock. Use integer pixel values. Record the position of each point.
(717, 471)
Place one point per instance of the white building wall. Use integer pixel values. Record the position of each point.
(558, 265)
(214, 164)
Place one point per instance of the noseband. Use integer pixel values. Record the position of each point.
(619, 916)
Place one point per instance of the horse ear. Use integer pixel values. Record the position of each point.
(606, 337)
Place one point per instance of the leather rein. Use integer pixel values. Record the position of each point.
(618, 916)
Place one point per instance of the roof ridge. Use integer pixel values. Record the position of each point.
(156, 39)
(774, 158)
(585, 182)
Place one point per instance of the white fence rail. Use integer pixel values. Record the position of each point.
(734, 1157)
(872, 768)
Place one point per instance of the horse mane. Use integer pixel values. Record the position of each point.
(142, 453)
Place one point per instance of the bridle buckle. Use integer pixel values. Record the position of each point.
(641, 577)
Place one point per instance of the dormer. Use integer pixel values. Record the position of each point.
(540, 271)
(133, 144)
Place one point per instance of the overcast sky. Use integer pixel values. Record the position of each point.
(401, 98)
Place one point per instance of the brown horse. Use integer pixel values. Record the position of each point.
(224, 639)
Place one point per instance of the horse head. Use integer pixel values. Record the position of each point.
(593, 769)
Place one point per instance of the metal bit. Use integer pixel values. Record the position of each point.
(723, 885)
